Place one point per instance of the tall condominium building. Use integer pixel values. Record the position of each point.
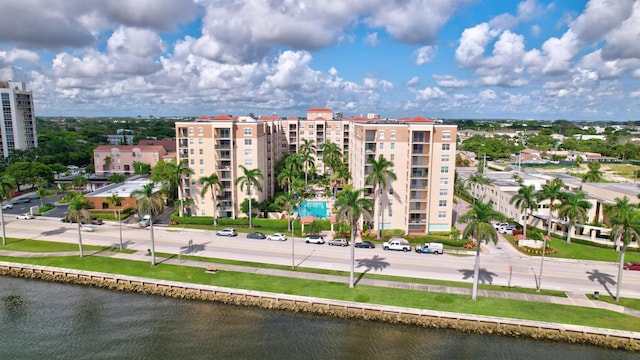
(18, 128)
(422, 151)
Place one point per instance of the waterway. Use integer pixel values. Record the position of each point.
(42, 320)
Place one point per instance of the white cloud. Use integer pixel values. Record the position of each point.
(622, 42)
(487, 94)
(430, 93)
(634, 94)
(425, 54)
(448, 81)
(600, 17)
(372, 39)
(413, 81)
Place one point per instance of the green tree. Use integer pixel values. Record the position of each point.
(552, 192)
(211, 183)
(306, 151)
(574, 208)
(624, 218)
(480, 229)
(116, 201)
(149, 203)
(140, 168)
(106, 164)
(116, 178)
(79, 182)
(30, 173)
(78, 213)
(249, 179)
(331, 155)
(593, 174)
(380, 173)
(42, 193)
(525, 200)
(351, 205)
(477, 180)
(7, 187)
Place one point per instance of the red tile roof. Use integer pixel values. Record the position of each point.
(130, 147)
(222, 117)
(419, 119)
(319, 110)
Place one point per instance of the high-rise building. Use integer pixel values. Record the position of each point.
(422, 151)
(18, 128)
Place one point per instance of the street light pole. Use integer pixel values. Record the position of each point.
(293, 262)
(120, 224)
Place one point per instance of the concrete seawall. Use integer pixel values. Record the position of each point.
(479, 324)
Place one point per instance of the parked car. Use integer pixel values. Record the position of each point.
(7, 206)
(146, 221)
(227, 232)
(33, 197)
(25, 217)
(499, 225)
(631, 266)
(507, 229)
(314, 239)
(23, 200)
(97, 221)
(256, 235)
(88, 228)
(339, 242)
(397, 244)
(277, 237)
(430, 248)
(365, 245)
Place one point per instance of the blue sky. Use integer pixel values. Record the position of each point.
(533, 59)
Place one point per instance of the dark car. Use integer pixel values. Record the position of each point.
(365, 245)
(33, 197)
(256, 235)
(23, 200)
(631, 266)
(97, 221)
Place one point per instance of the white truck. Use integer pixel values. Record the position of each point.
(430, 248)
(397, 244)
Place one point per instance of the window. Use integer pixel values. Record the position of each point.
(200, 142)
(248, 162)
(200, 131)
(201, 171)
(444, 170)
(310, 133)
(248, 152)
(203, 202)
(392, 134)
(442, 214)
(301, 132)
(446, 135)
(442, 203)
(390, 208)
(248, 132)
(247, 142)
(190, 131)
(444, 192)
(381, 134)
(204, 213)
(193, 162)
(444, 181)
(190, 141)
(301, 126)
(445, 147)
(381, 146)
(201, 151)
(191, 151)
(201, 161)
(392, 157)
(393, 146)
(444, 158)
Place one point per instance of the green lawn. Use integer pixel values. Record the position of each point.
(583, 252)
(340, 291)
(50, 246)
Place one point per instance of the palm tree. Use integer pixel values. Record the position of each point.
(42, 193)
(285, 176)
(78, 213)
(574, 208)
(380, 172)
(480, 228)
(79, 182)
(552, 192)
(331, 155)
(286, 200)
(625, 226)
(478, 179)
(106, 165)
(7, 186)
(149, 203)
(307, 148)
(178, 170)
(116, 201)
(525, 200)
(352, 205)
(248, 180)
(211, 183)
(593, 174)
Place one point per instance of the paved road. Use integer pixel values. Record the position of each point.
(501, 265)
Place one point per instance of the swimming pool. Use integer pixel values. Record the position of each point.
(317, 209)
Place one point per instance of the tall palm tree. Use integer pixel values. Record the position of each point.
(152, 204)
(574, 208)
(552, 192)
(211, 183)
(306, 151)
(480, 228)
(331, 155)
(42, 193)
(106, 165)
(478, 179)
(380, 173)
(593, 174)
(352, 205)
(285, 176)
(625, 227)
(78, 213)
(525, 200)
(116, 201)
(177, 172)
(286, 200)
(7, 186)
(248, 180)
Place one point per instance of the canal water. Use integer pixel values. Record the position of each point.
(42, 320)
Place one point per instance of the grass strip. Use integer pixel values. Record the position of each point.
(52, 246)
(339, 291)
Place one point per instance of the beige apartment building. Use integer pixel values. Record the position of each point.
(119, 159)
(423, 153)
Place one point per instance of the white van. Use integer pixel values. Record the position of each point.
(146, 221)
(430, 248)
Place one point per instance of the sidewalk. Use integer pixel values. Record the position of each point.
(572, 299)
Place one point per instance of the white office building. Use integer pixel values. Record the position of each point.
(18, 127)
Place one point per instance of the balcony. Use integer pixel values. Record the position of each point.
(417, 196)
(419, 161)
(419, 137)
(223, 134)
(417, 219)
(370, 147)
(224, 154)
(223, 145)
(370, 135)
(419, 185)
(419, 173)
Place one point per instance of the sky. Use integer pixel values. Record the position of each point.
(451, 59)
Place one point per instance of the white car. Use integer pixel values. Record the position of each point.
(314, 239)
(497, 226)
(277, 237)
(507, 229)
(7, 206)
(25, 217)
